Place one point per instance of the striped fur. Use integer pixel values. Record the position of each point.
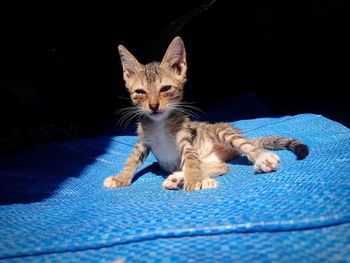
(281, 143)
(193, 153)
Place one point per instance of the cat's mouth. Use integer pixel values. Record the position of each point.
(157, 114)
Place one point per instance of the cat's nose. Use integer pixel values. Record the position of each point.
(154, 107)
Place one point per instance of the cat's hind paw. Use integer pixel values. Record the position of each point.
(115, 182)
(266, 162)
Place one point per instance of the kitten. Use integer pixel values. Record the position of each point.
(193, 153)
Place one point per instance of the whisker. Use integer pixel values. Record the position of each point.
(128, 114)
(186, 108)
(125, 109)
(185, 111)
(125, 118)
(186, 105)
(124, 98)
(137, 116)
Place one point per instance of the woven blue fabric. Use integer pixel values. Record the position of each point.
(54, 207)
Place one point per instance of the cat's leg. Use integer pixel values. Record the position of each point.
(174, 181)
(264, 161)
(125, 177)
(191, 164)
(214, 169)
(194, 178)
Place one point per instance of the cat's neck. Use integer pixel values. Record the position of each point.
(174, 121)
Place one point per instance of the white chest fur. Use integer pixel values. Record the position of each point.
(164, 147)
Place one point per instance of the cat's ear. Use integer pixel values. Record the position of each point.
(129, 63)
(175, 56)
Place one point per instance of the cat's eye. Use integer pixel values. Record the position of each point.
(140, 92)
(165, 88)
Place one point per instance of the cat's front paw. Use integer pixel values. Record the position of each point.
(115, 182)
(195, 185)
(174, 181)
(209, 183)
(266, 162)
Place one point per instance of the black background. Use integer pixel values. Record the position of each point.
(59, 61)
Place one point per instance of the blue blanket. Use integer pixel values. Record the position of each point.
(54, 206)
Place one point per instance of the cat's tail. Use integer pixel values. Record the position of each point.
(280, 143)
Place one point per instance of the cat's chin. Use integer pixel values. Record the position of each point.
(158, 116)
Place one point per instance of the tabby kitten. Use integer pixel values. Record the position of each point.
(193, 153)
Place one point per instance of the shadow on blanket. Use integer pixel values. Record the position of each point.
(36, 174)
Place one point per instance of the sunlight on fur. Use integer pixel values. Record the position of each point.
(193, 153)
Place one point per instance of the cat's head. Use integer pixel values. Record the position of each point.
(156, 88)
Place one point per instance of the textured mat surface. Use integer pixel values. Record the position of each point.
(330, 244)
(55, 208)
